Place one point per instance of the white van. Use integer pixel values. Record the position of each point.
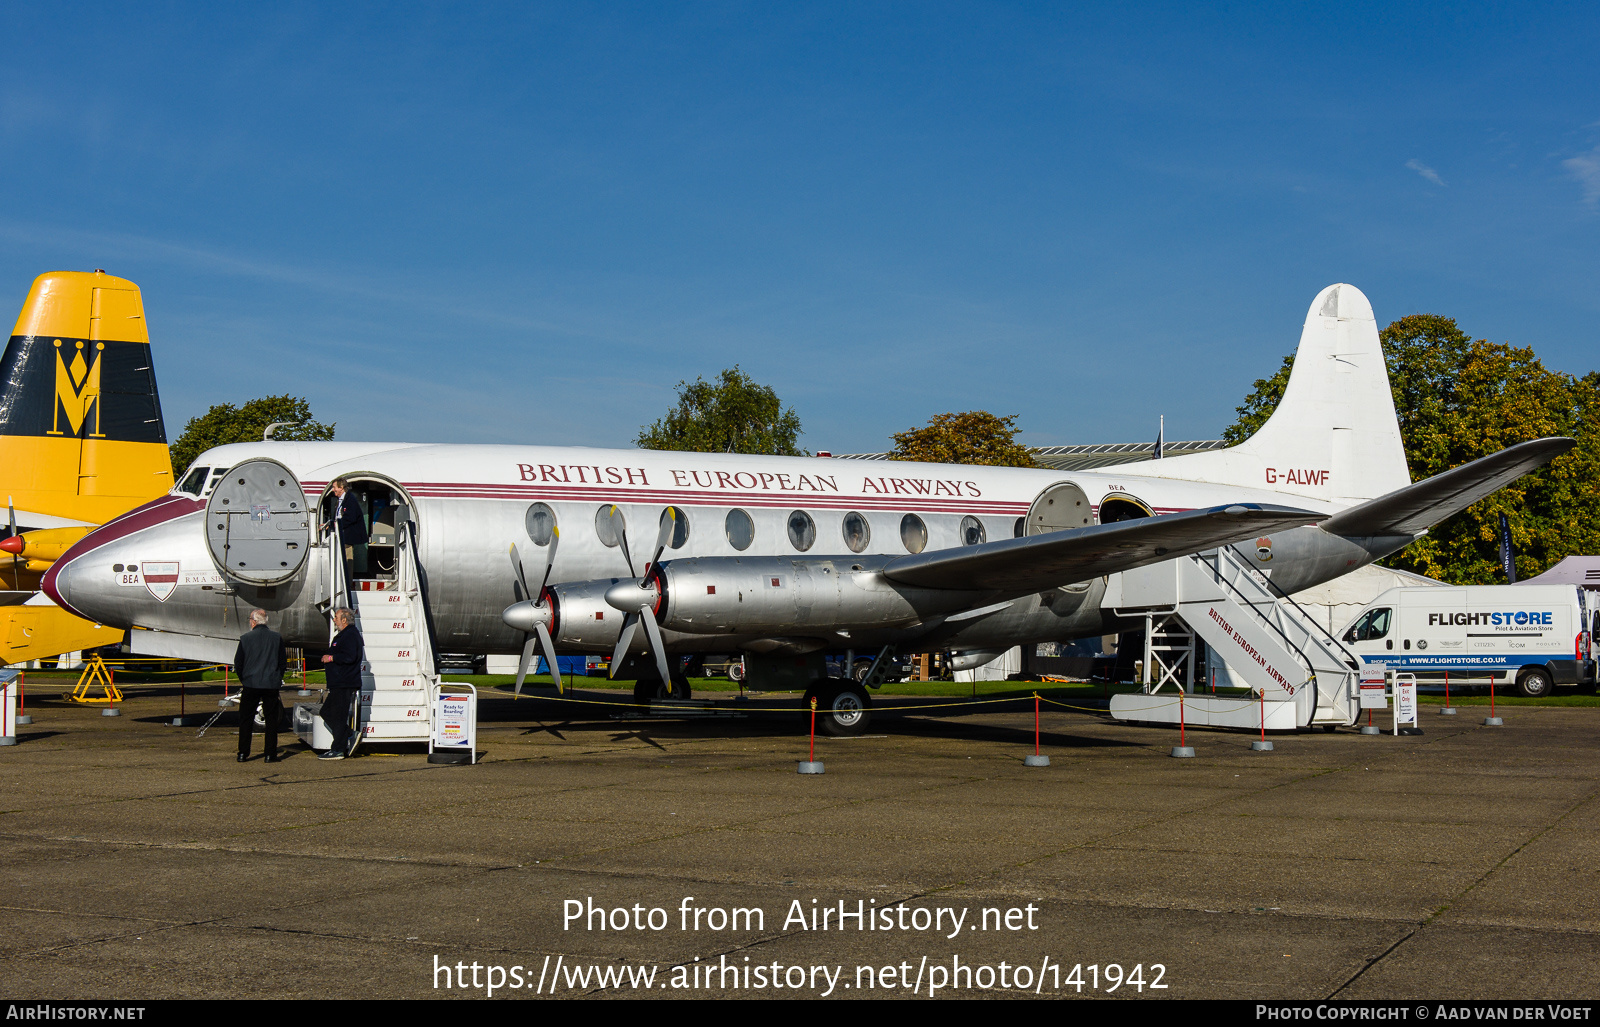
(1532, 636)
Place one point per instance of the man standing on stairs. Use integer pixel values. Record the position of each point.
(342, 663)
(260, 661)
(347, 523)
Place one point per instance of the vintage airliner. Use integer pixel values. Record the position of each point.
(779, 558)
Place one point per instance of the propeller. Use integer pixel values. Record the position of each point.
(11, 522)
(534, 614)
(636, 598)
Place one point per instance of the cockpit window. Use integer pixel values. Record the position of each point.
(195, 481)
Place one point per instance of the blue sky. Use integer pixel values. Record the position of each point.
(527, 223)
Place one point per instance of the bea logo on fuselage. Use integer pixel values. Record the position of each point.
(1519, 619)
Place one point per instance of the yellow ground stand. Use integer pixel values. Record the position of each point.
(95, 671)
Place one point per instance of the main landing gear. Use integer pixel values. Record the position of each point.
(843, 708)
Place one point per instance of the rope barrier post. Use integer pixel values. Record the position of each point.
(22, 698)
(1491, 720)
(303, 689)
(1263, 745)
(1037, 759)
(223, 703)
(1447, 710)
(812, 765)
(183, 703)
(1182, 749)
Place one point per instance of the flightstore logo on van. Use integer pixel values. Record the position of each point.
(1507, 619)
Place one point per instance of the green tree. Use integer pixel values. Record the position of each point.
(225, 423)
(975, 437)
(732, 414)
(1457, 400)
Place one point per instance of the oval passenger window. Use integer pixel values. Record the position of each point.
(741, 530)
(857, 532)
(972, 533)
(541, 524)
(680, 527)
(802, 530)
(606, 526)
(913, 533)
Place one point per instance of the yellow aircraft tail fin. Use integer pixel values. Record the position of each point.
(81, 435)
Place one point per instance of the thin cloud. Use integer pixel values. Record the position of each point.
(1586, 169)
(1425, 171)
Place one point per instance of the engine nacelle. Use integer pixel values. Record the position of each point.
(782, 596)
(576, 613)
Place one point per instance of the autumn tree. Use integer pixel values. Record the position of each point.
(732, 414)
(975, 437)
(225, 423)
(1457, 400)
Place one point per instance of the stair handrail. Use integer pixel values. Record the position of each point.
(1243, 600)
(338, 587)
(408, 576)
(1338, 649)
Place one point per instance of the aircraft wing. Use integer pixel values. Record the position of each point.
(1023, 565)
(1418, 507)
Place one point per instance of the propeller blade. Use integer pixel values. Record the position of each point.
(549, 563)
(629, 623)
(653, 632)
(527, 655)
(11, 522)
(548, 644)
(619, 527)
(522, 579)
(669, 523)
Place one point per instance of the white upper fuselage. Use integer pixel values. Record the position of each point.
(470, 504)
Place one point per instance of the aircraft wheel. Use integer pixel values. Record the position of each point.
(859, 671)
(1536, 684)
(650, 688)
(842, 710)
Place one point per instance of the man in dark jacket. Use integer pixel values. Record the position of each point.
(259, 661)
(347, 522)
(343, 666)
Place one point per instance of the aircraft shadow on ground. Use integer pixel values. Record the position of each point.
(566, 720)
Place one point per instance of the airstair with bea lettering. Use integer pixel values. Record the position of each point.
(1299, 675)
(398, 670)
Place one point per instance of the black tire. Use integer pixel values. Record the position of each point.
(1329, 728)
(842, 710)
(1536, 684)
(647, 689)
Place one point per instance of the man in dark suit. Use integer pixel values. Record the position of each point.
(350, 526)
(259, 661)
(343, 666)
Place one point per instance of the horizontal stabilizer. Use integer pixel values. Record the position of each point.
(1416, 508)
(1020, 565)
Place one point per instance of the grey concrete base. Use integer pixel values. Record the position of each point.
(1371, 729)
(1182, 751)
(810, 766)
(223, 704)
(24, 719)
(1035, 761)
(110, 711)
(1447, 711)
(1260, 745)
(305, 692)
(1493, 721)
(8, 740)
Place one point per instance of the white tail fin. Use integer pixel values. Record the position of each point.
(1334, 435)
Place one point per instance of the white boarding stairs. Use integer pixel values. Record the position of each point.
(1301, 676)
(397, 671)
